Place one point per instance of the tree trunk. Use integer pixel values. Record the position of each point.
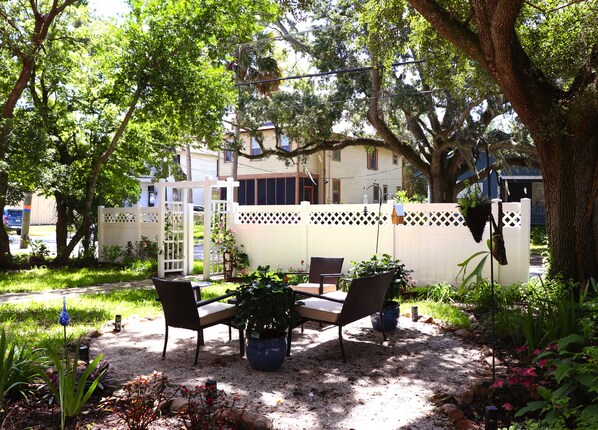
(5, 257)
(61, 224)
(570, 171)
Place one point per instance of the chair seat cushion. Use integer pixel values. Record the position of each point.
(213, 312)
(318, 309)
(313, 287)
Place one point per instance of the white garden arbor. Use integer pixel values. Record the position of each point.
(175, 215)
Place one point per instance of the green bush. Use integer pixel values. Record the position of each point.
(569, 389)
(68, 387)
(17, 368)
(401, 282)
(442, 292)
(538, 235)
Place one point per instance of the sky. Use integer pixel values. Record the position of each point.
(109, 7)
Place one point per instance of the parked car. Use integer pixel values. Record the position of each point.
(13, 219)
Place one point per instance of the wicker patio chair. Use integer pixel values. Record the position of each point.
(182, 310)
(365, 297)
(324, 275)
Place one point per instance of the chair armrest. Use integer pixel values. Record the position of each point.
(319, 296)
(215, 299)
(329, 275)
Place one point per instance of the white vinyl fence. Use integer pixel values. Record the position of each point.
(118, 226)
(431, 242)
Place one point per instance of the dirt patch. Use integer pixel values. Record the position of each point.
(384, 385)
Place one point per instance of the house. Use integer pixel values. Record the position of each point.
(525, 182)
(203, 163)
(339, 176)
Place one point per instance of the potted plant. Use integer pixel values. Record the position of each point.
(234, 258)
(475, 208)
(265, 310)
(400, 282)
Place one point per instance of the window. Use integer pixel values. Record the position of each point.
(336, 191)
(376, 190)
(285, 143)
(255, 147)
(395, 158)
(385, 192)
(152, 195)
(228, 153)
(372, 159)
(336, 155)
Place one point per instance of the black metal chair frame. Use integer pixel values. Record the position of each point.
(365, 297)
(181, 315)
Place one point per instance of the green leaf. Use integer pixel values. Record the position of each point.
(532, 407)
(571, 339)
(561, 372)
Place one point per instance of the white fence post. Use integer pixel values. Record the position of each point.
(305, 209)
(161, 218)
(207, 227)
(526, 226)
(101, 232)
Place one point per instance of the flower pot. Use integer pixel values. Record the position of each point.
(266, 355)
(476, 219)
(390, 318)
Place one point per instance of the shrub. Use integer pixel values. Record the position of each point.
(208, 409)
(568, 391)
(401, 281)
(442, 292)
(17, 368)
(69, 386)
(111, 253)
(138, 404)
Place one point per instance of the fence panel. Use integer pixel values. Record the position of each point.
(432, 242)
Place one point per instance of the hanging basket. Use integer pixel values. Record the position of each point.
(476, 219)
(498, 249)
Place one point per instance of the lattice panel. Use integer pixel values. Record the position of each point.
(434, 219)
(511, 219)
(269, 218)
(119, 217)
(149, 217)
(347, 218)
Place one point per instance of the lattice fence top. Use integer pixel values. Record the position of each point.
(413, 218)
(119, 217)
(347, 218)
(275, 217)
(511, 219)
(149, 217)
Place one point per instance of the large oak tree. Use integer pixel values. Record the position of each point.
(543, 55)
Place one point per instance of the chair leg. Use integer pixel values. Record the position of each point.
(199, 337)
(289, 337)
(230, 333)
(241, 343)
(165, 342)
(340, 338)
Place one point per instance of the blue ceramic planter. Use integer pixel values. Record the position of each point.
(266, 355)
(390, 318)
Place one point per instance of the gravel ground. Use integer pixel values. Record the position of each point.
(385, 386)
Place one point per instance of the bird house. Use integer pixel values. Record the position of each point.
(398, 214)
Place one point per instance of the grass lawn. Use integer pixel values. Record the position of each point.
(37, 321)
(442, 311)
(51, 279)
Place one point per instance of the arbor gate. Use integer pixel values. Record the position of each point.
(175, 216)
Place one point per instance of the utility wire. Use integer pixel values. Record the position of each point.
(330, 72)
